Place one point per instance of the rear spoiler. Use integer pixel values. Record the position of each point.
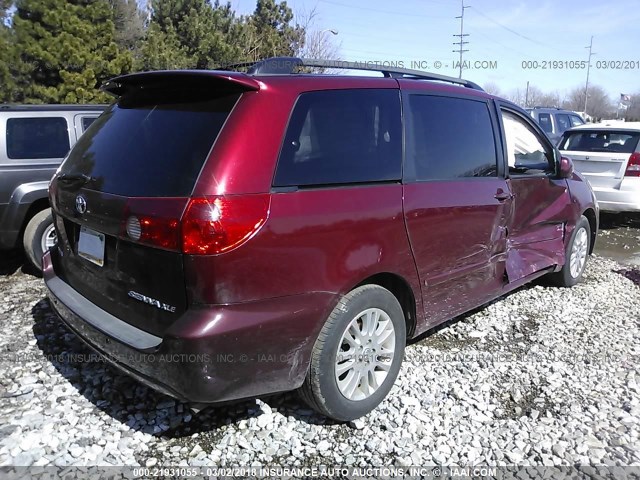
(187, 78)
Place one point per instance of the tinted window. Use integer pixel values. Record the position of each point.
(544, 119)
(600, 141)
(342, 136)
(152, 144)
(86, 122)
(563, 122)
(450, 138)
(37, 138)
(526, 153)
(576, 120)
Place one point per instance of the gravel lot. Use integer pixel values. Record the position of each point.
(545, 376)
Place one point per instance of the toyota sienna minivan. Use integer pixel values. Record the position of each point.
(226, 235)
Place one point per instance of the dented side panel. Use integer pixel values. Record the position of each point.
(536, 225)
(458, 237)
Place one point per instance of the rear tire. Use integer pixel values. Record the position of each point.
(576, 256)
(357, 356)
(38, 237)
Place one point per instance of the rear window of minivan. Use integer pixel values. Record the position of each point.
(152, 144)
(600, 141)
(339, 137)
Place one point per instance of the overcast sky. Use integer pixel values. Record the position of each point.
(508, 32)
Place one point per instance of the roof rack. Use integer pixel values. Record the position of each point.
(288, 65)
(50, 107)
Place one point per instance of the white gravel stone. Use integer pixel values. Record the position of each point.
(323, 446)
(544, 376)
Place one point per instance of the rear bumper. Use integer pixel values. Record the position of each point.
(210, 354)
(624, 199)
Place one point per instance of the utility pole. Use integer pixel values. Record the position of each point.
(461, 43)
(586, 86)
(526, 96)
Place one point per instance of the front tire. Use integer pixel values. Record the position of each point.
(357, 356)
(39, 236)
(576, 256)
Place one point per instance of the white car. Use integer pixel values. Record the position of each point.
(608, 155)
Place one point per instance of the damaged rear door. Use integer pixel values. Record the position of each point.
(541, 202)
(455, 199)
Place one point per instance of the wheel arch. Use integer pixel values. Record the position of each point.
(36, 207)
(401, 289)
(590, 214)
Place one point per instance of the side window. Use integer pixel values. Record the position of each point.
(450, 138)
(563, 122)
(576, 120)
(526, 152)
(544, 119)
(86, 122)
(32, 138)
(341, 137)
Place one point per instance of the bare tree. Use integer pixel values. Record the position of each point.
(551, 99)
(492, 88)
(517, 96)
(318, 43)
(599, 105)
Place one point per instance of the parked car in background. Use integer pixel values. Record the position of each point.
(33, 141)
(608, 155)
(554, 121)
(224, 235)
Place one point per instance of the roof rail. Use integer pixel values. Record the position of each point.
(288, 65)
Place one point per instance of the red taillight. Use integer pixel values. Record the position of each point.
(154, 222)
(218, 224)
(633, 166)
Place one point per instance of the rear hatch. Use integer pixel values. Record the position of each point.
(602, 156)
(134, 169)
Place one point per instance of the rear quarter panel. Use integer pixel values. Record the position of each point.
(321, 240)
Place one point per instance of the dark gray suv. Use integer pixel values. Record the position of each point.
(554, 121)
(33, 141)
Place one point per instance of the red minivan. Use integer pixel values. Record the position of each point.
(224, 235)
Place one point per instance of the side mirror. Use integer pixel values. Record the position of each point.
(565, 169)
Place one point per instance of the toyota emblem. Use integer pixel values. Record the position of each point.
(81, 204)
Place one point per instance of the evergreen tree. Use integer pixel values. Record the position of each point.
(274, 34)
(8, 55)
(199, 34)
(67, 49)
(189, 34)
(129, 24)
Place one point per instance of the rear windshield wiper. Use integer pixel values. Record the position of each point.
(74, 178)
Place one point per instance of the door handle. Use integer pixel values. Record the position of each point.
(502, 196)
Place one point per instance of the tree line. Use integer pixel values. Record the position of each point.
(60, 51)
(599, 104)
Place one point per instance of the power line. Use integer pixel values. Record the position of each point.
(461, 42)
(510, 30)
(502, 45)
(507, 28)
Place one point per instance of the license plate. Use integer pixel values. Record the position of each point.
(91, 246)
